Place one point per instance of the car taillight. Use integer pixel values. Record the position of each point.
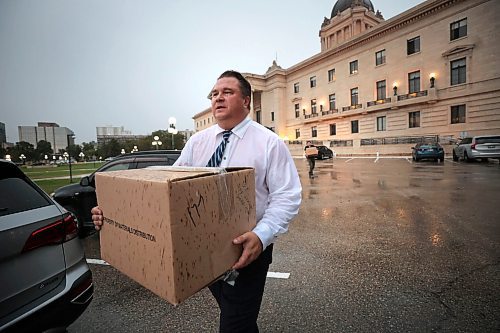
(473, 146)
(55, 233)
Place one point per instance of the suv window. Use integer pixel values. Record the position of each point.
(18, 196)
(466, 141)
(489, 139)
(118, 166)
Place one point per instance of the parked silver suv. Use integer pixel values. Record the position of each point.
(477, 147)
(45, 282)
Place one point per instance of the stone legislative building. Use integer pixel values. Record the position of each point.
(429, 73)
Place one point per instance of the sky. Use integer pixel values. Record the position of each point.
(136, 63)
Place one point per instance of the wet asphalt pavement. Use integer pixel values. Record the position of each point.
(378, 246)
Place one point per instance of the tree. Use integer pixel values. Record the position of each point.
(89, 150)
(109, 149)
(74, 151)
(22, 147)
(43, 148)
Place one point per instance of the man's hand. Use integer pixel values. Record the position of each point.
(97, 217)
(252, 248)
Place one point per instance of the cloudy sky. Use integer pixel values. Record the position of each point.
(135, 63)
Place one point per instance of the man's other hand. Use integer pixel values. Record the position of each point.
(252, 248)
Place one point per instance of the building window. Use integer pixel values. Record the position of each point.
(272, 116)
(380, 57)
(458, 69)
(413, 45)
(354, 96)
(381, 123)
(314, 131)
(333, 129)
(458, 114)
(331, 99)
(458, 29)
(414, 119)
(355, 126)
(296, 88)
(353, 67)
(297, 133)
(312, 81)
(414, 82)
(331, 75)
(381, 90)
(257, 117)
(297, 110)
(313, 105)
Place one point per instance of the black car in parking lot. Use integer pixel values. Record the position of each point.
(324, 153)
(80, 198)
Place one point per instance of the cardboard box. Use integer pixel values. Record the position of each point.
(171, 229)
(311, 151)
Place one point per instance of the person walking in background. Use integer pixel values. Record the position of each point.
(311, 153)
(237, 141)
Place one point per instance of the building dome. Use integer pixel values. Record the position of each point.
(342, 5)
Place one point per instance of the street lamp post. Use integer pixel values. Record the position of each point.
(46, 159)
(22, 157)
(68, 136)
(82, 155)
(156, 141)
(171, 129)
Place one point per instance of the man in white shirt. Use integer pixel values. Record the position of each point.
(277, 187)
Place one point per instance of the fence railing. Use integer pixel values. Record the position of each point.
(340, 143)
(412, 95)
(399, 140)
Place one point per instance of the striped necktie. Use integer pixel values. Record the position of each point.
(219, 152)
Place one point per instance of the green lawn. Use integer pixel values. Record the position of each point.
(42, 172)
(50, 185)
(39, 174)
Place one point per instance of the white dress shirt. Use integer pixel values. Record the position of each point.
(277, 184)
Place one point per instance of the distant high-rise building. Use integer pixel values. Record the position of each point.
(106, 133)
(59, 137)
(3, 134)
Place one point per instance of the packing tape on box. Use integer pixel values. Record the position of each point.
(225, 205)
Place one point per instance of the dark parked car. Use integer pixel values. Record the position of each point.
(45, 282)
(324, 153)
(80, 198)
(428, 151)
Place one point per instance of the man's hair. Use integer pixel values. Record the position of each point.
(245, 87)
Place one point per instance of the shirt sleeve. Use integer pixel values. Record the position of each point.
(186, 157)
(285, 194)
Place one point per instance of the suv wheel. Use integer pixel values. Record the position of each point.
(455, 157)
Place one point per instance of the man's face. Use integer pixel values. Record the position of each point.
(229, 107)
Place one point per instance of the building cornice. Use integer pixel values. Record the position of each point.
(404, 19)
(202, 113)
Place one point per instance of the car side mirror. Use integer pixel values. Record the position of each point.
(85, 181)
(412, 147)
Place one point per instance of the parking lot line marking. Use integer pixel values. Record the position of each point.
(278, 275)
(349, 160)
(97, 262)
(408, 160)
(275, 275)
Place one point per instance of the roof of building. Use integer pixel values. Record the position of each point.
(342, 5)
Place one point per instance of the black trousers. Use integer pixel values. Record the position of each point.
(312, 164)
(240, 304)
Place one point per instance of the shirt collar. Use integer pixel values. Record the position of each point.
(239, 130)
